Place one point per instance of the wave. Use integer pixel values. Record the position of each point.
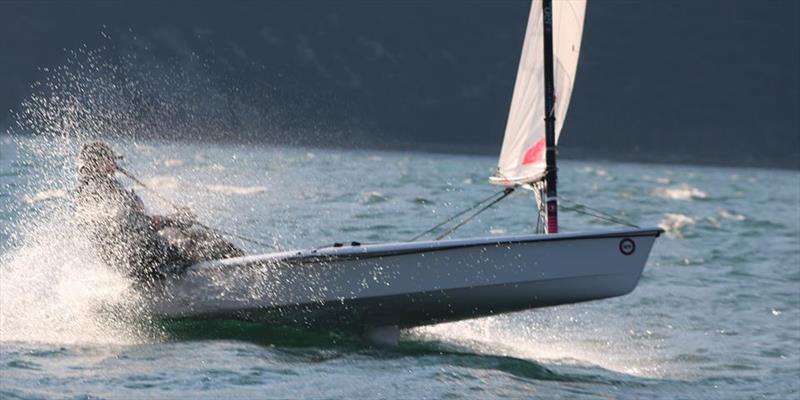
(680, 192)
(45, 195)
(423, 201)
(663, 180)
(545, 337)
(596, 171)
(173, 162)
(236, 190)
(673, 224)
(374, 197)
(725, 214)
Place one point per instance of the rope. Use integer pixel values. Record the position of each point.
(538, 194)
(460, 213)
(599, 214)
(198, 223)
(506, 192)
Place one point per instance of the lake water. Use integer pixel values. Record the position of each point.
(716, 314)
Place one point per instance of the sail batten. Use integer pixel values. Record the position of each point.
(522, 158)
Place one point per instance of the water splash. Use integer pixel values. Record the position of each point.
(45, 195)
(53, 289)
(553, 336)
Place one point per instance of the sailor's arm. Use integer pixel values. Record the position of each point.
(183, 218)
(157, 222)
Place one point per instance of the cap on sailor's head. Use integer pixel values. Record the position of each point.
(96, 152)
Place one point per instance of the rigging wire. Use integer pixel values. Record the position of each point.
(493, 199)
(538, 189)
(505, 192)
(460, 213)
(599, 214)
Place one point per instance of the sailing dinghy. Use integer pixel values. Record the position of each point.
(384, 287)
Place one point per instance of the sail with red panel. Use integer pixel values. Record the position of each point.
(523, 156)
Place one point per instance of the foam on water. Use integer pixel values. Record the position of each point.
(497, 231)
(172, 162)
(673, 224)
(374, 197)
(555, 337)
(237, 190)
(725, 214)
(680, 192)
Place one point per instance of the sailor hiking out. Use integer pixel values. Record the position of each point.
(145, 247)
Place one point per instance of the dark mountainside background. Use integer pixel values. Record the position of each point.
(678, 81)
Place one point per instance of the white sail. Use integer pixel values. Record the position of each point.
(522, 158)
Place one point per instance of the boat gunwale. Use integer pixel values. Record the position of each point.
(362, 252)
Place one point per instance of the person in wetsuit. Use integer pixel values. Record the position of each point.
(124, 235)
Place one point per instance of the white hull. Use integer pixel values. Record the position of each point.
(410, 284)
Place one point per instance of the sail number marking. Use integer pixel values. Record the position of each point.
(627, 246)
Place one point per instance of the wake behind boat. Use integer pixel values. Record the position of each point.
(384, 287)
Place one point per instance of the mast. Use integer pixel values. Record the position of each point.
(551, 178)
